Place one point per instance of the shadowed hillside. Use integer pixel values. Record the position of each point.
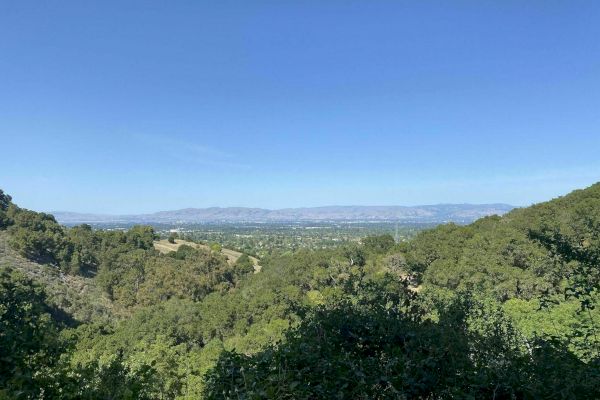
(78, 296)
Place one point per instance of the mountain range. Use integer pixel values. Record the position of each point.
(460, 213)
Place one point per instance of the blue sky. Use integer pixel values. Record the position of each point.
(127, 107)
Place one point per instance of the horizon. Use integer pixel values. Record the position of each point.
(51, 211)
(159, 107)
(294, 208)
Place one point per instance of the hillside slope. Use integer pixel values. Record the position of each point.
(78, 296)
(502, 254)
(165, 247)
(199, 327)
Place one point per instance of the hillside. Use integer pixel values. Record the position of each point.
(78, 296)
(506, 308)
(165, 247)
(502, 254)
(460, 213)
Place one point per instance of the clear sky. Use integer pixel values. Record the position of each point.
(130, 107)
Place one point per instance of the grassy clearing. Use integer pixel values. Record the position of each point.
(232, 256)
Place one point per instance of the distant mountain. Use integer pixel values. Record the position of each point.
(461, 213)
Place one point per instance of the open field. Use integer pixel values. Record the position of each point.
(232, 256)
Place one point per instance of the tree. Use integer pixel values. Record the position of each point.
(244, 265)
(141, 236)
(379, 244)
(38, 237)
(5, 200)
(28, 336)
(379, 344)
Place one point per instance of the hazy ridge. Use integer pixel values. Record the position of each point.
(425, 213)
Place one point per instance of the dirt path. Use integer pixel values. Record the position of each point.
(232, 256)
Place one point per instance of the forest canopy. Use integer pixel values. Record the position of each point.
(501, 308)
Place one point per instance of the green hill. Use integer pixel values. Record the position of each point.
(77, 296)
(506, 255)
(506, 308)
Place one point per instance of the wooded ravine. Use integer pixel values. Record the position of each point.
(503, 308)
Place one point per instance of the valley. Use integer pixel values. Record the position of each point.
(503, 295)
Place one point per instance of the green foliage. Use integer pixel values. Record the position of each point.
(38, 236)
(79, 250)
(28, 337)
(83, 245)
(377, 344)
(356, 255)
(502, 308)
(378, 244)
(141, 237)
(143, 277)
(184, 252)
(153, 355)
(244, 265)
(5, 200)
(503, 255)
(5, 203)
